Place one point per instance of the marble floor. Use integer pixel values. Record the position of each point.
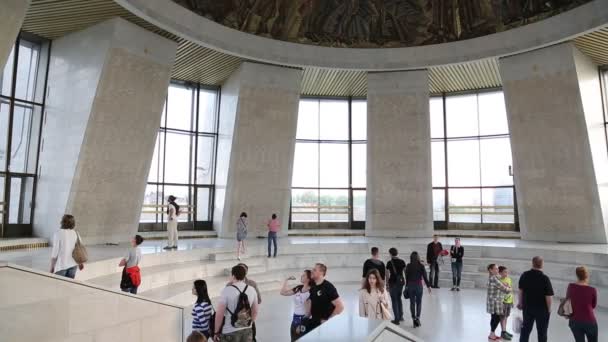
(446, 316)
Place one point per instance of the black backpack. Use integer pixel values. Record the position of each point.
(241, 317)
(396, 279)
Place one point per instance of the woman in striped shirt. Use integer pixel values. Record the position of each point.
(202, 311)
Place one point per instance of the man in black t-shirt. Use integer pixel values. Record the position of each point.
(325, 302)
(433, 250)
(374, 263)
(535, 298)
(396, 281)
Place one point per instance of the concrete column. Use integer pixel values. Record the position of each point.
(258, 121)
(560, 160)
(107, 86)
(11, 20)
(399, 190)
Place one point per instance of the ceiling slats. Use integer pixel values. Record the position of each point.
(55, 18)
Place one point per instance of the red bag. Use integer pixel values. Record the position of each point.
(135, 275)
(444, 252)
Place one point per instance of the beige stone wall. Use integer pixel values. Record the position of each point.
(11, 18)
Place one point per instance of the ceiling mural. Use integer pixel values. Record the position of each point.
(376, 23)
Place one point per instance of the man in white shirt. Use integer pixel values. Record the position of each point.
(227, 304)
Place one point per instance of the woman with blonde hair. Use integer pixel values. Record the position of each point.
(583, 299)
(374, 301)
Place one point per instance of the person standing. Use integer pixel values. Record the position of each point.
(273, 228)
(131, 277)
(503, 272)
(373, 298)
(253, 284)
(415, 273)
(456, 253)
(64, 242)
(237, 309)
(433, 250)
(495, 300)
(535, 299)
(396, 281)
(241, 235)
(325, 302)
(202, 311)
(373, 263)
(584, 300)
(172, 214)
(300, 295)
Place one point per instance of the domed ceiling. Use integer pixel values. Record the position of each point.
(376, 23)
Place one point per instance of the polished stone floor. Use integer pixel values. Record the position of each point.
(446, 316)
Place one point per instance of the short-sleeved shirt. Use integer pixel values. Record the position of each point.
(395, 267)
(133, 256)
(509, 296)
(299, 300)
(371, 264)
(321, 298)
(535, 285)
(230, 297)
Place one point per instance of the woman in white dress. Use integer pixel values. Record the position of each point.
(374, 301)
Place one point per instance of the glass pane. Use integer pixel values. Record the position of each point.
(177, 164)
(4, 112)
(202, 204)
(179, 108)
(156, 168)
(465, 205)
(6, 80)
(204, 167)
(27, 68)
(358, 205)
(492, 114)
(24, 144)
(359, 152)
(333, 206)
(438, 204)
(438, 163)
(151, 198)
(436, 110)
(15, 200)
(333, 165)
(359, 120)
(495, 161)
(306, 165)
(207, 109)
(26, 199)
(2, 204)
(308, 120)
(463, 163)
(461, 116)
(501, 199)
(182, 193)
(334, 120)
(304, 205)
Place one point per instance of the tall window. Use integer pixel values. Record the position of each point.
(184, 158)
(604, 88)
(471, 157)
(22, 97)
(329, 171)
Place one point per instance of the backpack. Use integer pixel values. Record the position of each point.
(241, 317)
(398, 279)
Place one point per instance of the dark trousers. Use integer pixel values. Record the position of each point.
(415, 292)
(132, 290)
(580, 330)
(456, 273)
(68, 272)
(541, 317)
(272, 237)
(434, 274)
(494, 322)
(396, 291)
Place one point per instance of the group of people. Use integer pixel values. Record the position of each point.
(535, 297)
(273, 225)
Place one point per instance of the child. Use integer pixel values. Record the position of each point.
(508, 302)
(202, 311)
(196, 337)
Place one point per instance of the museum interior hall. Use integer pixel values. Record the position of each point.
(310, 170)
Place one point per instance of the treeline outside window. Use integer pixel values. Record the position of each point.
(22, 100)
(471, 162)
(184, 158)
(329, 171)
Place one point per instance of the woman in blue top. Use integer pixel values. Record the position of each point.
(202, 311)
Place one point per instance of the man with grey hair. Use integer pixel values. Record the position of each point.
(535, 298)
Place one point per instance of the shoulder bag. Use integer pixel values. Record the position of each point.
(565, 308)
(79, 254)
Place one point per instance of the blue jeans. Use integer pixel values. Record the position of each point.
(415, 292)
(132, 290)
(68, 272)
(456, 273)
(396, 291)
(272, 237)
(582, 329)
